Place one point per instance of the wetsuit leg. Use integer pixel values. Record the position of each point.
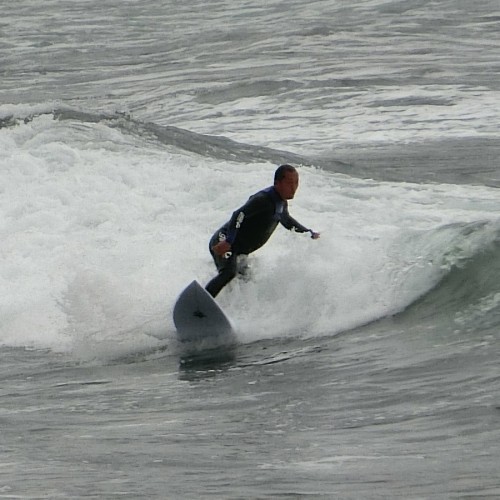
(227, 267)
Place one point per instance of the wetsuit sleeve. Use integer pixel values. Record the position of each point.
(256, 204)
(291, 224)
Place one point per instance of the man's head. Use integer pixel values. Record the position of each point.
(286, 181)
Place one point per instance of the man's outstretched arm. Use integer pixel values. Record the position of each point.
(293, 225)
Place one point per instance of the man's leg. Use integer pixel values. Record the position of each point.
(227, 271)
(227, 267)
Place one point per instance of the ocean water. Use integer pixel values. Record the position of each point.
(367, 361)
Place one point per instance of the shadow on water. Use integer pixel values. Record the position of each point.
(199, 364)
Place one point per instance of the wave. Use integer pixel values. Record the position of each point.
(433, 162)
(217, 147)
(468, 294)
(106, 219)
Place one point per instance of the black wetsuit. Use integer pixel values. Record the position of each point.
(248, 229)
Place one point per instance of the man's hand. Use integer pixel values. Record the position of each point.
(314, 235)
(221, 248)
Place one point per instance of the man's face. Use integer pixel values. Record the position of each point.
(287, 186)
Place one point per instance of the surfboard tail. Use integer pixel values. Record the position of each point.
(197, 317)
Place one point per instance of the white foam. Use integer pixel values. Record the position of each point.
(100, 231)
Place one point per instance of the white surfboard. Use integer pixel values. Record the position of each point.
(197, 317)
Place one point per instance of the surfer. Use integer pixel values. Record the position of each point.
(252, 225)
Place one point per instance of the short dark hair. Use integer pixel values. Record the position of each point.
(282, 170)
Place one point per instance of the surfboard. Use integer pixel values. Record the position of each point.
(198, 318)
